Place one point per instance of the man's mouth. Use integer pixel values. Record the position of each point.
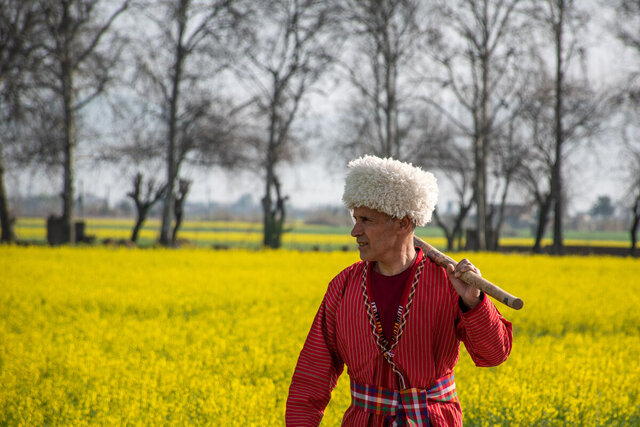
(361, 244)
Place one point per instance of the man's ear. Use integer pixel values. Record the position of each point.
(406, 224)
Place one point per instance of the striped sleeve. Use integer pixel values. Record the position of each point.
(319, 364)
(487, 335)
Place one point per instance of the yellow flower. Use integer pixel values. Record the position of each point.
(171, 337)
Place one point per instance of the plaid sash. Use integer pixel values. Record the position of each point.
(403, 407)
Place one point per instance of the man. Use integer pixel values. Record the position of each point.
(395, 319)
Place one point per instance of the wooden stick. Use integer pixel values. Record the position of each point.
(470, 277)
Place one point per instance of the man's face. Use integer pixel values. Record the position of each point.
(376, 234)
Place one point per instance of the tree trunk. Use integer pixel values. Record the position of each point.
(635, 223)
(544, 204)
(480, 181)
(271, 237)
(68, 228)
(267, 220)
(558, 244)
(495, 234)
(392, 146)
(480, 191)
(556, 174)
(267, 216)
(274, 214)
(143, 202)
(449, 235)
(462, 214)
(280, 213)
(172, 161)
(490, 232)
(183, 189)
(456, 231)
(141, 217)
(179, 214)
(482, 143)
(451, 240)
(5, 216)
(167, 217)
(67, 81)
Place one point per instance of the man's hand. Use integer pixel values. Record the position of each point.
(470, 295)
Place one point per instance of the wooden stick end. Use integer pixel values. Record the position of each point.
(517, 304)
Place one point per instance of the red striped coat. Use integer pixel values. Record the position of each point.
(428, 349)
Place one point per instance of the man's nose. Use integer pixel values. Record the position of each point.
(356, 230)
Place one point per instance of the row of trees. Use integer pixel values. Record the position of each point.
(494, 94)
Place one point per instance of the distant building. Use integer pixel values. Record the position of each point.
(516, 216)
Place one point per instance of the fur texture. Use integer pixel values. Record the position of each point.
(390, 186)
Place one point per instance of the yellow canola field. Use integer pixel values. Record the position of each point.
(102, 336)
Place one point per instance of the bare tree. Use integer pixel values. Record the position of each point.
(628, 100)
(384, 40)
(625, 29)
(144, 201)
(564, 22)
(456, 164)
(535, 174)
(77, 69)
(21, 27)
(583, 117)
(291, 51)
(480, 53)
(628, 104)
(185, 52)
(509, 153)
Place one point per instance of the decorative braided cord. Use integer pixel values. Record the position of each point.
(398, 328)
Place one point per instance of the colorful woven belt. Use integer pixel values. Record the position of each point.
(403, 407)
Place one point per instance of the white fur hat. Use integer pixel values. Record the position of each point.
(390, 186)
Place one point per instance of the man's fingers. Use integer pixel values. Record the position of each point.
(465, 265)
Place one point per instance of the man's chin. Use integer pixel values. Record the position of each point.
(364, 253)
